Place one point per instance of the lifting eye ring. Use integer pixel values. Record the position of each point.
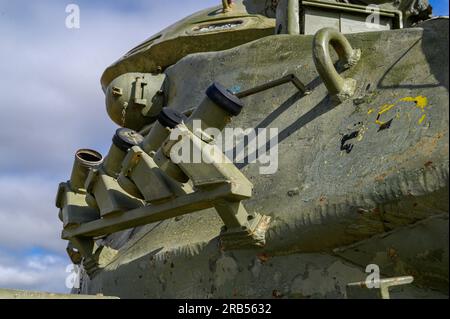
(339, 88)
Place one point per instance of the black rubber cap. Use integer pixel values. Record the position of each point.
(170, 118)
(225, 99)
(125, 139)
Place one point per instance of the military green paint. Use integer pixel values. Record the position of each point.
(385, 184)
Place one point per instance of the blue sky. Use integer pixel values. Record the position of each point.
(440, 7)
(52, 105)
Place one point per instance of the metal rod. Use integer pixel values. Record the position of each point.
(263, 87)
(351, 8)
(152, 213)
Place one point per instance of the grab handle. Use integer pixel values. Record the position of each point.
(340, 88)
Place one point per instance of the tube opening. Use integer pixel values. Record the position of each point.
(89, 157)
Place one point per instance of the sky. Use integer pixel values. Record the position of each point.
(440, 7)
(51, 104)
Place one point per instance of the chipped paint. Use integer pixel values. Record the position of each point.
(361, 134)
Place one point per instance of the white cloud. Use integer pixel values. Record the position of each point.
(36, 272)
(28, 216)
(51, 104)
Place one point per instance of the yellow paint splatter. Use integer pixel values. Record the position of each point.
(385, 108)
(420, 101)
(422, 118)
(370, 111)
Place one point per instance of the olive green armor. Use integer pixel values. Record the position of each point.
(347, 199)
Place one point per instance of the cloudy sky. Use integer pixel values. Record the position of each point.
(51, 104)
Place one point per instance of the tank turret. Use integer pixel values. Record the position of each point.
(271, 149)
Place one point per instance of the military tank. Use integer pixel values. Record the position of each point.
(271, 149)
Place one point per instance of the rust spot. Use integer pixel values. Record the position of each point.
(392, 253)
(263, 257)
(380, 178)
(277, 294)
(426, 145)
(411, 272)
(428, 164)
(322, 198)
